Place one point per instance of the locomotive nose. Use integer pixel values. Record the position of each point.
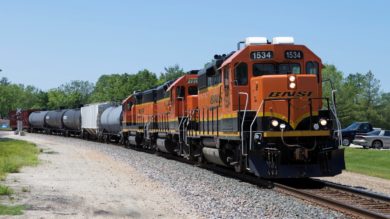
(286, 98)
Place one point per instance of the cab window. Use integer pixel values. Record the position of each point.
(291, 68)
(192, 90)
(312, 68)
(180, 92)
(263, 69)
(129, 105)
(241, 74)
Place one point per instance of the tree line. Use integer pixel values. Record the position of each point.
(113, 88)
(358, 96)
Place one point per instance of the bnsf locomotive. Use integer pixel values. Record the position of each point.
(259, 110)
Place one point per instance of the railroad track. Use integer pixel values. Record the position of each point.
(350, 201)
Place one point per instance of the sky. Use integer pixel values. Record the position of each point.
(49, 43)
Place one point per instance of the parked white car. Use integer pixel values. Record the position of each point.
(375, 139)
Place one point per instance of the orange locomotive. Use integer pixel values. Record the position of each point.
(259, 109)
(155, 119)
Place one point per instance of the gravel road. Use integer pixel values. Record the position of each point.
(86, 179)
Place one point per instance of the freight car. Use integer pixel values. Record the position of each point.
(54, 123)
(72, 122)
(37, 121)
(111, 124)
(91, 120)
(24, 114)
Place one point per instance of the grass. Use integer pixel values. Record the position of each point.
(368, 162)
(5, 190)
(5, 129)
(15, 154)
(11, 210)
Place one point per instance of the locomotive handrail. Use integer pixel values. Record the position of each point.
(338, 124)
(181, 122)
(253, 122)
(243, 120)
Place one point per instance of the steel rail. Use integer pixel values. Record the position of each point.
(337, 204)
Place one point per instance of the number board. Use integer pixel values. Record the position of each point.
(192, 81)
(262, 55)
(293, 54)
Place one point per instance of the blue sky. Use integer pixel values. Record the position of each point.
(48, 43)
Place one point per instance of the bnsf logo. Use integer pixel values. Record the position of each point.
(291, 94)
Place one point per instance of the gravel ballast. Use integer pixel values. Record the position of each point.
(210, 195)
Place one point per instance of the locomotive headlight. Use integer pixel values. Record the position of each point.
(323, 122)
(274, 123)
(316, 126)
(291, 78)
(292, 85)
(282, 126)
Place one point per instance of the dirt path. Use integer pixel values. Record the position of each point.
(77, 182)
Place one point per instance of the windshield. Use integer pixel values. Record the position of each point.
(376, 132)
(353, 126)
(271, 69)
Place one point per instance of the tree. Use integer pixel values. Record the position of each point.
(13, 96)
(371, 96)
(171, 72)
(358, 97)
(384, 111)
(70, 95)
(116, 87)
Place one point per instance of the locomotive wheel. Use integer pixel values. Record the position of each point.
(199, 160)
(239, 167)
(127, 144)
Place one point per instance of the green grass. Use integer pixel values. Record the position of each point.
(5, 190)
(15, 154)
(11, 210)
(368, 162)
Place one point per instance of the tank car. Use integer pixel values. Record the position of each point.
(72, 122)
(54, 123)
(37, 121)
(111, 124)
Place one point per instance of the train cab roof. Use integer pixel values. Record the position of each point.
(278, 48)
(135, 95)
